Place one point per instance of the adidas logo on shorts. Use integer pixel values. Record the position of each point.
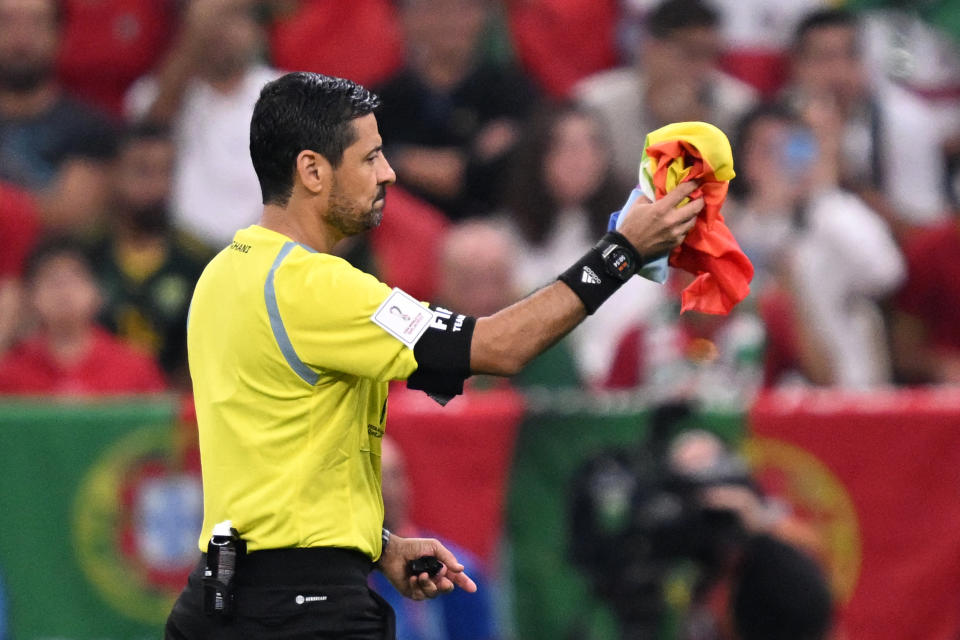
(589, 276)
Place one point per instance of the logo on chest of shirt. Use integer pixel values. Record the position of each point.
(375, 431)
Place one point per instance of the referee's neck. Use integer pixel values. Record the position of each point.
(301, 224)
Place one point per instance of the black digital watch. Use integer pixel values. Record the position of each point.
(620, 259)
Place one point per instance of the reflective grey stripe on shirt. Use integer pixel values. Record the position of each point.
(307, 374)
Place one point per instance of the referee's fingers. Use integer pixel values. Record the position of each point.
(417, 587)
(680, 192)
(415, 592)
(454, 570)
(690, 210)
(429, 586)
(445, 556)
(452, 574)
(463, 581)
(425, 586)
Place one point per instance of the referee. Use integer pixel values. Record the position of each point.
(291, 349)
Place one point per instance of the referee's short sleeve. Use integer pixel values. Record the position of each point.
(326, 308)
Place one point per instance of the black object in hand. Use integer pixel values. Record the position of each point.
(428, 564)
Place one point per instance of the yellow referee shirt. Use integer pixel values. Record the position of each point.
(290, 376)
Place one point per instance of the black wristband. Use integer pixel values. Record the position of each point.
(602, 270)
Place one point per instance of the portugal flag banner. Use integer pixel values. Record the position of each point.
(100, 506)
(878, 476)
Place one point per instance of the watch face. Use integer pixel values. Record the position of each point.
(619, 262)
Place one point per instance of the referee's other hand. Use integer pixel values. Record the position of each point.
(400, 551)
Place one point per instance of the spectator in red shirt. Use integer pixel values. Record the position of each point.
(560, 42)
(926, 318)
(19, 225)
(359, 40)
(108, 44)
(68, 355)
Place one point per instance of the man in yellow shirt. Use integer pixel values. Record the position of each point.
(290, 352)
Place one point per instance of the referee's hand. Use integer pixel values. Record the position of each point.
(400, 551)
(655, 228)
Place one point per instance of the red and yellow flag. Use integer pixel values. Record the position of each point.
(699, 151)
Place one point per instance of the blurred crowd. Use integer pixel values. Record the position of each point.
(515, 129)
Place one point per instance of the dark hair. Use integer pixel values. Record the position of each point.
(529, 201)
(671, 15)
(739, 187)
(822, 18)
(303, 111)
(51, 247)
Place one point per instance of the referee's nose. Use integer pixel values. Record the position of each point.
(385, 173)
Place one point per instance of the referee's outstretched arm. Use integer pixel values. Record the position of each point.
(457, 346)
(506, 341)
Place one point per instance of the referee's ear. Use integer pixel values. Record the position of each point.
(313, 171)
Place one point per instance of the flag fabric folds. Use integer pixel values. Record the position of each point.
(699, 151)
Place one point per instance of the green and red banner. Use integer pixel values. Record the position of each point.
(100, 503)
(458, 460)
(878, 477)
(100, 507)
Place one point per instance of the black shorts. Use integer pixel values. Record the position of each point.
(291, 594)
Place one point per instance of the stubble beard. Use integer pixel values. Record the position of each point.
(344, 216)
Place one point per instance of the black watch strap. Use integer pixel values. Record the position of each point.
(602, 270)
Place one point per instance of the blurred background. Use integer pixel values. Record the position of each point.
(788, 471)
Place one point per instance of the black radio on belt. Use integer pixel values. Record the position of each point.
(224, 551)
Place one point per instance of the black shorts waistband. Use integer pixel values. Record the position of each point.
(312, 565)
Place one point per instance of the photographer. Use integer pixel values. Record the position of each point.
(677, 539)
